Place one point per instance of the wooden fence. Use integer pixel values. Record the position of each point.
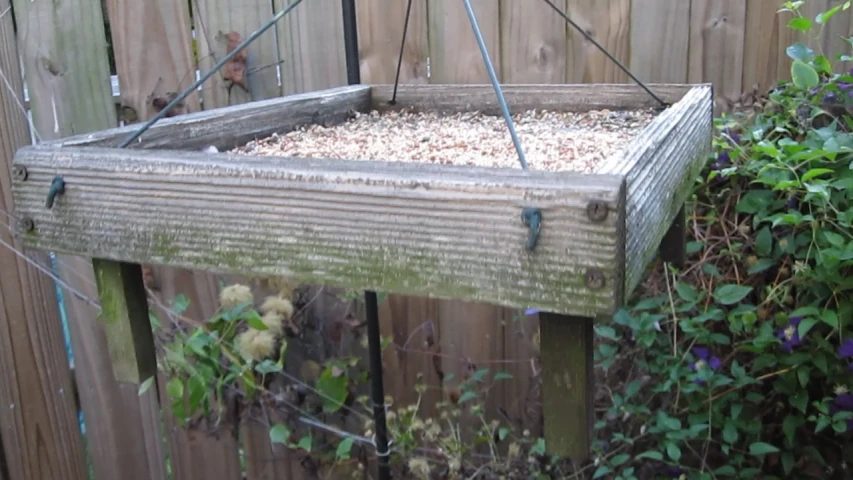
(157, 47)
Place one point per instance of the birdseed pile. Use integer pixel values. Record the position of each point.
(551, 141)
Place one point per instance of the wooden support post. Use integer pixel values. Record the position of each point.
(124, 311)
(568, 384)
(673, 246)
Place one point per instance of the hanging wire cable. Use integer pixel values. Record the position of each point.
(497, 86)
(605, 52)
(402, 47)
(184, 94)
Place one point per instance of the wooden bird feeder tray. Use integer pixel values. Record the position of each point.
(409, 228)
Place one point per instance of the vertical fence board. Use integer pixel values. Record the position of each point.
(380, 31)
(454, 54)
(40, 435)
(717, 29)
(660, 35)
(837, 30)
(214, 20)
(533, 42)
(761, 43)
(311, 46)
(145, 34)
(67, 73)
(609, 23)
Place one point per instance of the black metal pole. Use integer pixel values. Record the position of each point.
(377, 389)
(374, 343)
(351, 42)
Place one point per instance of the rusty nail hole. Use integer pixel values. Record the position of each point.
(597, 211)
(594, 278)
(19, 173)
(27, 224)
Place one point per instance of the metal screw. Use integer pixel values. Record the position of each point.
(19, 173)
(27, 225)
(597, 210)
(594, 278)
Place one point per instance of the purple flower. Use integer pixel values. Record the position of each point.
(790, 335)
(843, 403)
(846, 349)
(531, 311)
(793, 202)
(704, 358)
(673, 471)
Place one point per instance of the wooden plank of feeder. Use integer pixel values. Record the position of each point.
(558, 98)
(228, 127)
(454, 232)
(660, 169)
(124, 313)
(568, 384)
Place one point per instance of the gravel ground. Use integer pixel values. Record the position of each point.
(551, 141)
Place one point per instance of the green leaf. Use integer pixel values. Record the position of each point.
(673, 451)
(815, 172)
(687, 292)
(279, 434)
(726, 470)
(730, 433)
(305, 443)
(145, 385)
(652, 454)
(805, 325)
(604, 331)
(333, 389)
(804, 75)
(800, 23)
(619, 459)
(800, 51)
(761, 265)
(503, 432)
(502, 376)
(601, 471)
(254, 321)
(788, 462)
(790, 426)
(730, 294)
(344, 448)
(761, 448)
(469, 395)
(764, 242)
(175, 389)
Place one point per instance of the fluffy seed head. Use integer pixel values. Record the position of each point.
(234, 295)
(256, 345)
(279, 305)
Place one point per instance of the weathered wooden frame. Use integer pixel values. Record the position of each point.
(443, 231)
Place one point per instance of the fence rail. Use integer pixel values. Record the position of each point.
(59, 50)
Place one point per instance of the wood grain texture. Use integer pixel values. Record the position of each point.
(214, 19)
(454, 54)
(124, 305)
(449, 231)
(380, 32)
(67, 73)
(153, 54)
(533, 43)
(717, 29)
(661, 167)
(228, 127)
(568, 384)
(560, 98)
(39, 432)
(609, 23)
(65, 65)
(311, 46)
(660, 36)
